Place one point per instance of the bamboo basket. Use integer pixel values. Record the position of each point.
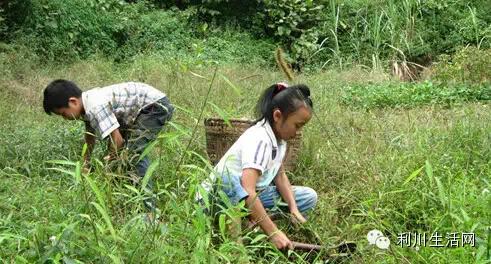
(220, 137)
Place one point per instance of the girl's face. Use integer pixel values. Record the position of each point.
(286, 128)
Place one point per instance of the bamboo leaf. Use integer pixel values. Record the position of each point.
(106, 218)
(9, 236)
(149, 173)
(413, 175)
(147, 149)
(78, 173)
(131, 188)
(69, 172)
(84, 150)
(184, 110)
(194, 167)
(86, 216)
(223, 114)
(429, 170)
(99, 195)
(222, 225)
(62, 162)
(197, 75)
(259, 237)
(231, 85)
(465, 215)
(441, 192)
(115, 259)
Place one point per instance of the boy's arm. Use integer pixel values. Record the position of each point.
(285, 189)
(258, 213)
(115, 143)
(90, 141)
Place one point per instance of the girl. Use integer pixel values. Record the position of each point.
(254, 161)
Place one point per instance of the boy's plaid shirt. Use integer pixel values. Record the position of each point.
(106, 107)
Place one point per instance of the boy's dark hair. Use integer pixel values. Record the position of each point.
(286, 99)
(57, 93)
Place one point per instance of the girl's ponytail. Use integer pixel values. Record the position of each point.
(306, 94)
(265, 102)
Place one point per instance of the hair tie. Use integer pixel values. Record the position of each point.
(279, 87)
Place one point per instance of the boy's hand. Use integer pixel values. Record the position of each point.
(280, 240)
(297, 217)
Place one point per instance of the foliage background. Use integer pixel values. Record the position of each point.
(314, 33)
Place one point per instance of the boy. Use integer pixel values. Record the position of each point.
(128, 115)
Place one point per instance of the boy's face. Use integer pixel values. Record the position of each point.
(286, 128)
(73, 111)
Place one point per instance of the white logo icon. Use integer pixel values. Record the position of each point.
(375, 237)
(382, 242)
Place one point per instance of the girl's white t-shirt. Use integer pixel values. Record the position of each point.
(256, 148)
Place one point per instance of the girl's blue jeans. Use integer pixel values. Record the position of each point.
(305, 197)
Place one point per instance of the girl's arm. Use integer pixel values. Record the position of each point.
(258, 213)
(285, 189)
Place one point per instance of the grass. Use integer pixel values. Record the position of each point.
(413, 94)
(420, 169)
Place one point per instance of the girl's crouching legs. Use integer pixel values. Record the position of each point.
(305, 197)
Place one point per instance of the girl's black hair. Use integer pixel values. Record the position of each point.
(286, 99)
(57, 93)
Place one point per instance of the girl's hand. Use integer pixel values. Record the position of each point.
(298, 217)
(280, 240)
(109, 157)
(86, 167)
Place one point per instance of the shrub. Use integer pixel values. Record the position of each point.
(294, 24)
(468, 65)
(62, 30)
(157, 30)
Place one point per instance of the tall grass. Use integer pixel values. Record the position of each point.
(423, 169)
